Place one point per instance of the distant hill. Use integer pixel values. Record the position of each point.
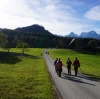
(72, 34)
(10, 32)
(90, 34)
(83, 35)
(33, 29)
(37, 37)
(0, 28)
(39, 29)
(58, 35)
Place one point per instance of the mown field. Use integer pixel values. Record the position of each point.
(90, 63)
(24, 76)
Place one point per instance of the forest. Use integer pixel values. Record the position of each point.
(44, 39)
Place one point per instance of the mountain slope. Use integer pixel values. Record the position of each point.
(0, 28)
(34, 29)
(72, 34)
(90, 34)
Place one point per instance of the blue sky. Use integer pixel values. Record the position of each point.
(58, 16)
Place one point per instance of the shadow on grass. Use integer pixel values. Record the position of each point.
(13, 58)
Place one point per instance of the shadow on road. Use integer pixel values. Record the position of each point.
(75, 78)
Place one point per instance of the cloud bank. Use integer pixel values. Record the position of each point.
(58, 16)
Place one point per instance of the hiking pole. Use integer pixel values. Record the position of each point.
(81, 70)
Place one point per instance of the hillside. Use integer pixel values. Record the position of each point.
(36, 36)
(34, 29)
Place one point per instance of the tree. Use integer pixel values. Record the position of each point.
(78, 43)
(62, 43)
(15, 41)
(3, 41)
(7, 46)
(92, 44)
(24, 46)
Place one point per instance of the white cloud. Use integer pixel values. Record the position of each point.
(93, 13)
(34, 2)
(15, 13)
(97, 30)
(56, 16)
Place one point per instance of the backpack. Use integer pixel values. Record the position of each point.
(59, 64)
(69, 63)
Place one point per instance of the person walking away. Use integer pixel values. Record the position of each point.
(68, 62)
(76, 64)
(55, 62)
(59, 67)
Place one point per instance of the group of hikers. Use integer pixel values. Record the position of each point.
(58, 65)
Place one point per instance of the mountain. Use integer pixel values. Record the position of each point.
(83, 35)
(58, 35)
(90, 34)
(72, 34)
(33, 29)
(38, 29)
(0, 28)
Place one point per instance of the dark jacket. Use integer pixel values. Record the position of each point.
(55, 62)
(68, 63)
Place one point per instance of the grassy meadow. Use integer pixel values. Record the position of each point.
(24, 76)
(90, 63)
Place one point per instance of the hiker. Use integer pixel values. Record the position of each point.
(59, 66)
(68, 62)
(55, 64)
(76, 64)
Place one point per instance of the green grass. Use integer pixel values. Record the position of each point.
(24, 76)
(90, 64)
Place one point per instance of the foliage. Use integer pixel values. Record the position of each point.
(7, 46)
(3, 39)
(23, 46)
(78, 43)
(63, 42)
(92, 44)
(44, 39)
